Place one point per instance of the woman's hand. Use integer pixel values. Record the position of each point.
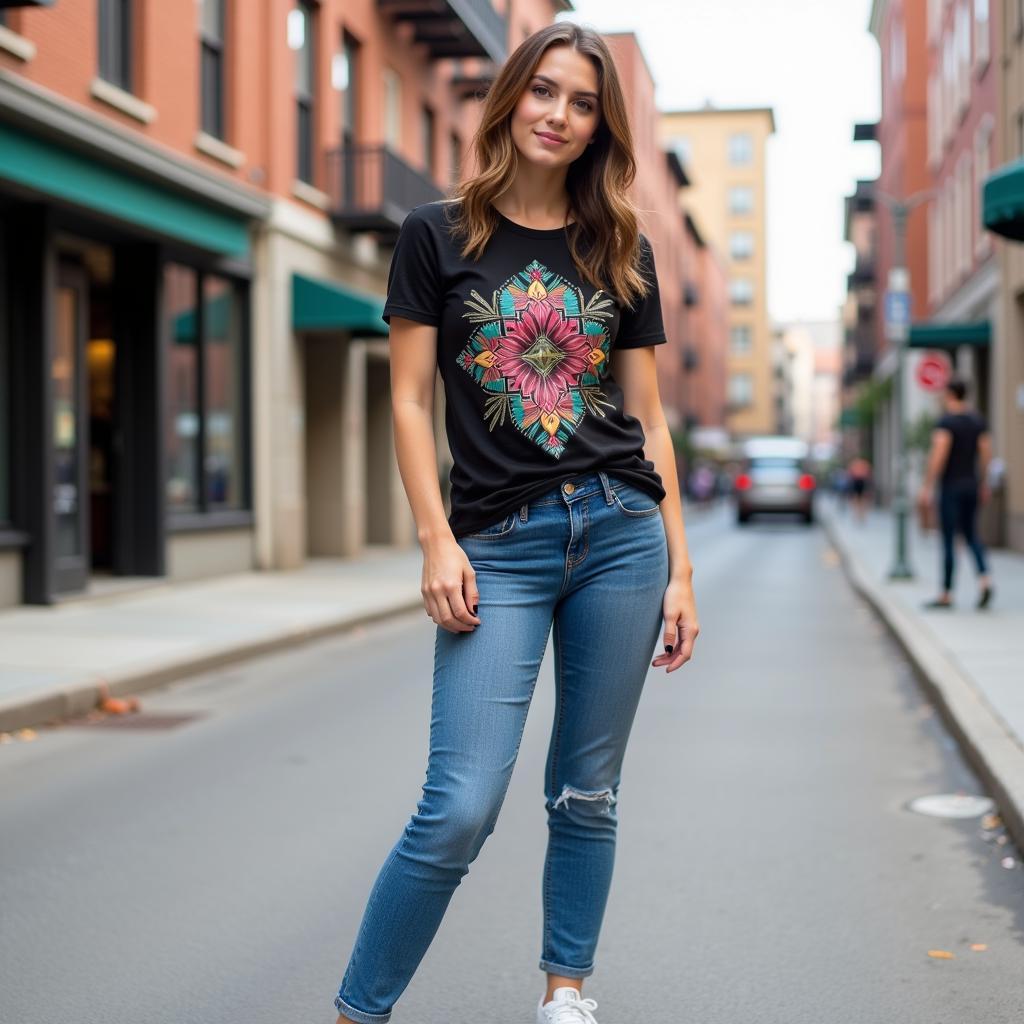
(681, 626)
(449, 589)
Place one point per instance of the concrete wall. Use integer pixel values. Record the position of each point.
(10, 578)
(198, 555)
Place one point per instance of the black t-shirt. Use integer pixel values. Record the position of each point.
(966, 428)
(525, 351)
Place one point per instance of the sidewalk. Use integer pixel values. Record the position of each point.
(54, 660)
(971, 662)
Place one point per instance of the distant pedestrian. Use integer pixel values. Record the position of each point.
(958, 461)
(858, 474)
(526, 291)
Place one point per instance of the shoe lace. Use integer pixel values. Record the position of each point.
(576, 1011)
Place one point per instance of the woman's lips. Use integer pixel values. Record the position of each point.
(553, 140)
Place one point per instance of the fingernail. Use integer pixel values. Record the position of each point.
(475, 608)
(668, 648)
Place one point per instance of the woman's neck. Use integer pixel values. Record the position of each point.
(537, 197)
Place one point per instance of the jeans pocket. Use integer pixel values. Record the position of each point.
(633, 501)
(495, 531)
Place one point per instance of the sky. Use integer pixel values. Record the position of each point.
(815, 63)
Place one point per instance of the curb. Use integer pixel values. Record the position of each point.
(990, 748)
(79, 698)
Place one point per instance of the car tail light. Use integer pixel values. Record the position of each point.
(743, 482)
(806, 482)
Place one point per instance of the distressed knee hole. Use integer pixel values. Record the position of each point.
(596, 796)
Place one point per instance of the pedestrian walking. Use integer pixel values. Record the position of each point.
(859, 476)
(960, 453)
(535, 294)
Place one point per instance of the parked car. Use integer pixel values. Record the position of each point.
(774, 476)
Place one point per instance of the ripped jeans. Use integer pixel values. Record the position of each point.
(591, 562)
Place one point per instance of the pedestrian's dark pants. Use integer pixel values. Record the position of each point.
(958, 510)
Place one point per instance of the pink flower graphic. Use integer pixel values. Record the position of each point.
(542, 354)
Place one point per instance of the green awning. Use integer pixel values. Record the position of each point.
(929, 335)
(47, 167)
(328, 306)
(849, 418)
(1003, 201)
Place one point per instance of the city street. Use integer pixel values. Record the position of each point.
(214, 869)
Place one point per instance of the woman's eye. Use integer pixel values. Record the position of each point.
(584, 106)
(541, 89)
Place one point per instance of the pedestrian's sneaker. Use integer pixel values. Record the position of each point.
(567, 1006)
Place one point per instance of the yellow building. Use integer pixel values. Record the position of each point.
(723, 152)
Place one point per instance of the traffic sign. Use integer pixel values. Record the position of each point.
(933, 372)
(897, 315)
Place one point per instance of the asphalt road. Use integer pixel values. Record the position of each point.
(768, 871)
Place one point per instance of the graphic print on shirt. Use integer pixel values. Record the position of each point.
(541, 354)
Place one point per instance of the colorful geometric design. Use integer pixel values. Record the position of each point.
(541, 355)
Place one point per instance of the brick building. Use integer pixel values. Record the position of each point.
(196, 212)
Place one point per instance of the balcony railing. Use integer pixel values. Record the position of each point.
(373, 189)
(454, 28)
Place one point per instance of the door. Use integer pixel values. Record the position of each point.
(70, 433)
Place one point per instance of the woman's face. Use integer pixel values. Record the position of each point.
(558, 113)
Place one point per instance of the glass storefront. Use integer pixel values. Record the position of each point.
(206, 359)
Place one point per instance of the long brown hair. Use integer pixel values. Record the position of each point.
(604, 240)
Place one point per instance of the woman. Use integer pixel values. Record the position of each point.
(527, 291)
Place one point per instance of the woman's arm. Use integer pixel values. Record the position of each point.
(636, 372)
(449, 581)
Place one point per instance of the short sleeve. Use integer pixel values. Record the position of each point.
(643, 325)
(414, 288)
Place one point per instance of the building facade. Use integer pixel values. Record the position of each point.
(724, 154)
(197, 205)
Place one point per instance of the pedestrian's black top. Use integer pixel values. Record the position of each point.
(966, 428)
(525, 351)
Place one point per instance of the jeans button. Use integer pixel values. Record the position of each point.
(569, 488)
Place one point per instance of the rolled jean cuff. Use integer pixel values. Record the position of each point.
(566, 972)
(359, 1015)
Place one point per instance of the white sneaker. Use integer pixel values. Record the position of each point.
(567, 1006)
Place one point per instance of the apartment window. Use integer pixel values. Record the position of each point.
(982, 28)
(898, 53)
(741, 339)
(934, 19)
(682, 145)
(963, 57)
(741, 198)
(206, 399)
(211, 62)
(347, 82)
(934, 229)
(948, 86)
(741, 291)
(455, 158)
(301, 30)
(982, 167)
(741, 149)
(115, 27)
(934, 120)
(392, 108)
(741, 390)
(427, 126)
(741, 245)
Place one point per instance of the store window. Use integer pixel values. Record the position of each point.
(204, 433)
(211, 60)
(115, 28)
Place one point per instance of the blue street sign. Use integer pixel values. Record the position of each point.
(897, 315)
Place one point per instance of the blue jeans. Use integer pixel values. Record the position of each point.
(592, 562)
(958, 511)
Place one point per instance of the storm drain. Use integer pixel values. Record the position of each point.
(952, 805)
(141, 720)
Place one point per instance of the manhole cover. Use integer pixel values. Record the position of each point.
(952, 805)
(140, 720)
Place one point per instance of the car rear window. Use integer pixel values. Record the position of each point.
(774, 462)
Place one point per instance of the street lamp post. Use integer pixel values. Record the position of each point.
(898, 306)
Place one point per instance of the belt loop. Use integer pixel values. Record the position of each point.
(608, 499)
(523, 513)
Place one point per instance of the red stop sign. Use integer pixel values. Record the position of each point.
(933, 372)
